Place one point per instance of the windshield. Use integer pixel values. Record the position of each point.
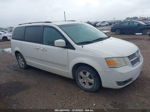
(83, 33)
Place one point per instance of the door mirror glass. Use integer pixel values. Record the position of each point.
(60, 43)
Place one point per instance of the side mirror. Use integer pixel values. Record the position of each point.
(60, 43)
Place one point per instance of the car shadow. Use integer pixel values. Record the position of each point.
(11, 88)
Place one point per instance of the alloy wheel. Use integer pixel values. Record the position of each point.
(86, 79)
(21, 61)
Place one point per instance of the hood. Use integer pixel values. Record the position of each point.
(112, 47)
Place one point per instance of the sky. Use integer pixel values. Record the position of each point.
(13, 12)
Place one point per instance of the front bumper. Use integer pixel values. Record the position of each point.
(121, 77)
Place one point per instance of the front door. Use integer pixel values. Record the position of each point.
(55, 59)
(125, 27)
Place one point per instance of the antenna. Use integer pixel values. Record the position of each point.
(65, 16)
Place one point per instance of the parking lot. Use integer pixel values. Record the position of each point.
(34, 88)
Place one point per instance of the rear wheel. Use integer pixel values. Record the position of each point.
(4, 38)
(87, 79)
(21, 61)
(118, 31)
(146, 31)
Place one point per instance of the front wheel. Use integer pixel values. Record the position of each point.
(87, 79)
(118, 32)
(21, 61)
(4, 38)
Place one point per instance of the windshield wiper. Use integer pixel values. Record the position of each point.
(86, 42)
(99, 39)
(92, 41)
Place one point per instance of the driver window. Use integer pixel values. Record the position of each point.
(134, 23)
(50, 35)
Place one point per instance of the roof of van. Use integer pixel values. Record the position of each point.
(49, 23)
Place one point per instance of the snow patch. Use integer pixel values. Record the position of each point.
(138, 34)
(7, 50)
(107, 31)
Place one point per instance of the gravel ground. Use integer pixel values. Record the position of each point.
(37, 89)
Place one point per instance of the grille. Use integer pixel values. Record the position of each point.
(134, 58)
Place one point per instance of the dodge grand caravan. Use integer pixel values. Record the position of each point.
(78, 51)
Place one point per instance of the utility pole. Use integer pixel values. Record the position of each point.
(64, 15)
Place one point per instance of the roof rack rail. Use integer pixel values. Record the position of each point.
(36, 22)
(71, 20)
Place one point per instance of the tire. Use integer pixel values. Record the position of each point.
(118, 31)
(21, 61)
(87, 79)
(4, 38)
(145, 32)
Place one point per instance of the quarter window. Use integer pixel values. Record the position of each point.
(136, 23)
(18, 33)
(50, 35)
(34, 34)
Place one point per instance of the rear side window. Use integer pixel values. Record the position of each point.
(34, 34)
(18, 33)
(50, 35)
(125, 24)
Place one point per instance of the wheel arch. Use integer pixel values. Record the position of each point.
(5, 37)
(77, 65)
(16, 52)
(143, 30)
(118, 29)
(85, 62)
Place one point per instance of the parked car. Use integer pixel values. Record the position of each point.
(148, 22)
(77, 51)
(92, 23)
(5, 35)
(102, 24)
(131, 27)
(1, 34)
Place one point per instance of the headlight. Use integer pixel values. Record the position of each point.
(116, 62)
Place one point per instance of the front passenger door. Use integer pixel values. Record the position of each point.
(55, 59)
(125, 27)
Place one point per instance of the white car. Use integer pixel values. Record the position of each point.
(102, 24)
(5, 35)
(78, 51)
(1, 34)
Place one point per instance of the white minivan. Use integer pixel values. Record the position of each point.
(78, 51)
